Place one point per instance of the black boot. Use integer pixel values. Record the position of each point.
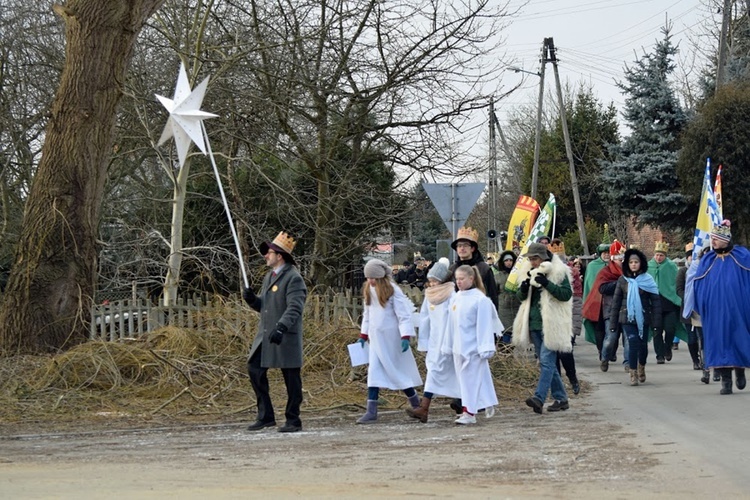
(726, 381)
(693, 348)
(741, 381)
(706, 376)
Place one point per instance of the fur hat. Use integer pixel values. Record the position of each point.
(439, 270)
(723, 231)
(376, 268)
(283, 243)
(538, 250)
(466, 234)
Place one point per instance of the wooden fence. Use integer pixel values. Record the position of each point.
(122, 319)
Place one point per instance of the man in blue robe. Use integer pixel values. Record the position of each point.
(722, 299)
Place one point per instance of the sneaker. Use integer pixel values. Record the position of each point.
(558, 406)
(717, 376)
(659, 361)
(534, 403)
(604, 365)
(489, 412)
(466, 419)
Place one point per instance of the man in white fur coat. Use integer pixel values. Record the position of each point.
(546, 319)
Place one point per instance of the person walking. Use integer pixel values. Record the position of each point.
(636, 306)
(473, 323)
(387, 327)
(597, 307)
(434, 338)
(722, 288)
(695, 332)
(593, 324)
(467, 250)
(545, 318)
(507, 301)
(664, 272)
(566, 359)
(278, 343)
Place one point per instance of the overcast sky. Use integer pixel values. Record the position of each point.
(594, 40)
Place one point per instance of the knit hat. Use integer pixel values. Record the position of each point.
(439, 270)
(376, 268)
(538, 250)
(722, 232)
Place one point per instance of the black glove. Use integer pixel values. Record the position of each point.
(542, 280)
(248, 295)
(525, 286)
(277, 336)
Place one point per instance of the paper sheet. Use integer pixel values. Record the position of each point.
(359, 355)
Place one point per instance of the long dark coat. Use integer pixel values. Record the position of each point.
(281, 300)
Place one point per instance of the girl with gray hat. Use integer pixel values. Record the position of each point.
(434, 338)
(387, 326)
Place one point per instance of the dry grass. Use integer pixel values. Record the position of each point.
(198, 375)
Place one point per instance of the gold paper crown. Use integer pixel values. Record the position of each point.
(689, 247)
(285, 242)
(661, 247)
(557, 248)
(633, 246)
(418, 256)
(467, 233)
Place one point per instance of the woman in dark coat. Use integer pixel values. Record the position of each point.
(637, 307)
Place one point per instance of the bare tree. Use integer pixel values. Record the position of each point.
(370, 76)
(52, 280)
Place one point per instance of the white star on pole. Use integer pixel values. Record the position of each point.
(185, 116)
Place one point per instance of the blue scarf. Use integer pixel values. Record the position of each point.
(643, 282)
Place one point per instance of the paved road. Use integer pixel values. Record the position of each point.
(702, 437)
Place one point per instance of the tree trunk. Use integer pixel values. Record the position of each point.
(51, 286)
(174, 262)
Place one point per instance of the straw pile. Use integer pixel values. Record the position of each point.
(200, 374)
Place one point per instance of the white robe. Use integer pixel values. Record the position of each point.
(473, 319)
(389, 367)
(435, 339)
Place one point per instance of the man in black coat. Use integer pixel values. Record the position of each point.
(278, 343)
(467, 248)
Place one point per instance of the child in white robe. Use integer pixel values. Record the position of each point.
(387, 326)
(433, 338)
(473, 321)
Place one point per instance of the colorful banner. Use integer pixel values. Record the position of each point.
(717, 193)
(708, 213)
(520, 222)
(541, 228)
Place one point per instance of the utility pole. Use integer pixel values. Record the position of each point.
(492, 212)
(538, 136)
(568, 148)
(721, 68)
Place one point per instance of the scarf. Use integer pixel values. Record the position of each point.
(643, 282)
(439, 293)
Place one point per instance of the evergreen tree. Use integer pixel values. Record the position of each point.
(642, 181)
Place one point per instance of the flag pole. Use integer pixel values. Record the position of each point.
(226, 207)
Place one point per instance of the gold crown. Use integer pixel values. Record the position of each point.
(557, 248)
(417, 255)
(633, 246)
(285, 242)
(661, 247)
(689, 247)
(467, 233)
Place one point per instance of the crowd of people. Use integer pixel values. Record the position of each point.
(471, 306)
